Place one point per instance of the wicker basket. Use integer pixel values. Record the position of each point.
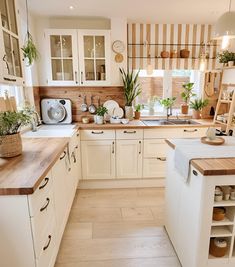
(10, 145)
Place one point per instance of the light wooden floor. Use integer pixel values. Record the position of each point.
(117, 228)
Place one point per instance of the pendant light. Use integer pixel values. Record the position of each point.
(225, 26)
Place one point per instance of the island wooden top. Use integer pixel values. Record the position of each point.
(215, 166)
(21, 175)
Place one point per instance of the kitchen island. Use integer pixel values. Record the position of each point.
(189, 210)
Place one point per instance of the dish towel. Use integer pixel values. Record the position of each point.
(189, 149)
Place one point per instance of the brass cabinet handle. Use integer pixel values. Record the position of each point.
(46, 182)
(97, 132)
(9, 80)
(81, 77)
(76, 77)
(48, 243)
(140, 147)
(130, 132)
(190, 131)
(46, 205)
(113, 148)
(62, 157)
(161, 158)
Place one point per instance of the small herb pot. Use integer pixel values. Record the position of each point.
(184, 109)
(99, 119)
(196, 114)
(137, 115)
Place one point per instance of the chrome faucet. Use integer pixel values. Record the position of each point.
(36, 121)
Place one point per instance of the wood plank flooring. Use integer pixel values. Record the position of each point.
(117, 228)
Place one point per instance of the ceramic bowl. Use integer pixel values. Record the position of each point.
(124, 121)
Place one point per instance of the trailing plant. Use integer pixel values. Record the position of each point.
(226, 56)
(131, 86)
(199, 104)
(188, 92)
(167, 102)
(101, 111)
(139, 107)
(11, 121)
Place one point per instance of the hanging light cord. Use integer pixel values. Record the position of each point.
(230, 4)
(27, 17)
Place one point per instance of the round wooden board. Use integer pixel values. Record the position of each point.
(119, 58)
(216, 142)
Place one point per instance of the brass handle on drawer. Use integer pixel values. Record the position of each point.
(46, 182)
(63, 156)
(128, 132)
(9, 80)
(46, 205)
(190, 131)
(162, 158)
(113, 148)
(48, 243)
(76, 77)
(81, 77)
(140, 147)
(97, 132)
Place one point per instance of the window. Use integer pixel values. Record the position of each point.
(165, 83)
(15, 91)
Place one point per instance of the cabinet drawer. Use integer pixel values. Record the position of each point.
(128, 134)
(97, 134)
(155, 148)
(154, 168)
(37, 199)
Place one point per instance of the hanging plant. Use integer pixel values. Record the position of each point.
(29, 49)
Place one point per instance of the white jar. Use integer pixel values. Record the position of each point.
(99, 119)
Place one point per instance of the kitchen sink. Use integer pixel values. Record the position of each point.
(169, 122)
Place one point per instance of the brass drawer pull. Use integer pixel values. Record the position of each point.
(162, 158)
(46, 205)
(140, 147)
(63, 156)
(97, 132)
(113, 148)
(190, 131)
(128, 132)
(46, 182)
(48, 244)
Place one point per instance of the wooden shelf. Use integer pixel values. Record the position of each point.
(221, 231)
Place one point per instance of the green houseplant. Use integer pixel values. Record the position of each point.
(168, 103)
(138, 108)
(100, 112)
(197, 105)
(132, 89)
(186, 95)
(10, 139)
(225, 57)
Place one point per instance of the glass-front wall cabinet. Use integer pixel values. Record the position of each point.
(12, 67)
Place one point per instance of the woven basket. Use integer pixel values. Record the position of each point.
(10, 145)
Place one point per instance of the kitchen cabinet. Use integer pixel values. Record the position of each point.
(98, 159)
(78, 57)
(129, 158)
(10, 52)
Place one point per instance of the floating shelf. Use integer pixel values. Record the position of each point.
(226, 221)
(221, 231)
(224, 203)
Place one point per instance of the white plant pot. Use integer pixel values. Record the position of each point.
(99, 119)
(129, 112)
(230, 63)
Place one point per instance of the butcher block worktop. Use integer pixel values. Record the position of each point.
(215, 166)
(21, 175)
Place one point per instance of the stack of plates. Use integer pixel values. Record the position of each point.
(113, 110)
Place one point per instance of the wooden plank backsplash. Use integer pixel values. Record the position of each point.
(75, 94)
(147, 41)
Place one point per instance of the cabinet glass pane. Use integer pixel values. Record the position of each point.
(100, 70)
(99, 46)
(11, 6)
(89, 46)
(55, 45)
(4, 17)
(57, 73)
(89, 69)
(16, 56)
(67, 46)
(68, 69)
(8, 53)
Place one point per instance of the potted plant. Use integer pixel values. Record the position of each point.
(197, 105)
(138, 108)
(168, 103)
(186, 95)
(226, 58)
(30, 51)
(100, 112)
(131, 90)
(10, 139)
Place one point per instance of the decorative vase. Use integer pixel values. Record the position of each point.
(184, 109)
(196, 114)
(10, 145)
(99, 119)
(137, 115)
(129, 112)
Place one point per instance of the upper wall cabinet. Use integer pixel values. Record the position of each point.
(78, 57)
(10, 52)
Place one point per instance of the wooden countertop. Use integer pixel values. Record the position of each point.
(21, 175)
(140, 125)
(215, 166)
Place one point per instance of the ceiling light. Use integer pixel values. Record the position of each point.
(71, 7)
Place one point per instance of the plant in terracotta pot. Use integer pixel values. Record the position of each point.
(197, 105)
(10, 125)
(138, 108)
(100, 112)
(131, 90)
(186, 95)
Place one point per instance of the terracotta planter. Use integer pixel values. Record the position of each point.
(196, 114)
(137, 115)
(165, 54)
(184, 53)
(184, 109)
(129, 112)
(10, 146)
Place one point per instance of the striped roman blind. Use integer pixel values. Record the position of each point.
(147, 41)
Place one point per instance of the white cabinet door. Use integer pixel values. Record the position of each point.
(62, 57)
(94, 57)
(129, 159)
(98, 159)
